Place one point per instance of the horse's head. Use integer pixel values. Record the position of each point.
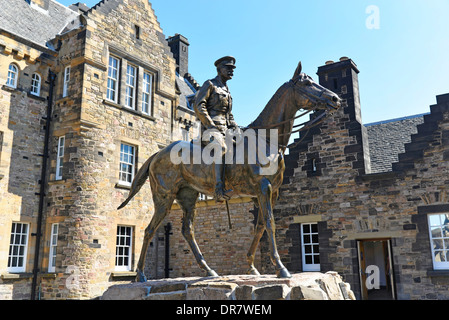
(312, 96)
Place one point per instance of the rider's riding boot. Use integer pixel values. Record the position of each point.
(220, 193)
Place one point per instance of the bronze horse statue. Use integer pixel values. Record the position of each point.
(184, 181)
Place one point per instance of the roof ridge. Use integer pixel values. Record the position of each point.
(396, 119)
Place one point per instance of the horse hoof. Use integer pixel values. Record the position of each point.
(140, 277)
(212, 273)
(253, 271)
(283, 273)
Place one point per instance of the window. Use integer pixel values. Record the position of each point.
(113, 72)
(53, 245)
(137, 30)
(65, 88)
(60, 158)
(127, 163)
(35, 84)
(439, 239)
(314, 167)
(13, 73)
(146, 93)
(310, 247)
(18, 247)
(123, 248)
(130, 86)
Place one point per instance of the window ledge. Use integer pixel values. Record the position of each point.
(61, 181)
(16, 276)
(9, 88)
(122, 107)
(49, 275)
(34, 96)
(438, 273)
(122, 186)
(123, 274)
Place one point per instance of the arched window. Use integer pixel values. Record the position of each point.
(36, 84)
(13, 74)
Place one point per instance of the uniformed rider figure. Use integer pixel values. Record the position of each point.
(213, 105)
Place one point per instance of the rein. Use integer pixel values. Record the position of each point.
(305, 126)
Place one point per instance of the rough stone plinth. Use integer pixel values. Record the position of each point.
(302, 286)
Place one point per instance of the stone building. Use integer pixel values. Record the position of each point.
(87, 95)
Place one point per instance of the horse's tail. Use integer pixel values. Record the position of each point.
(138, 181)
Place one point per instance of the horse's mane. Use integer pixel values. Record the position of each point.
(259, 121)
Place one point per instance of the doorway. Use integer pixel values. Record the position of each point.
(376, 269)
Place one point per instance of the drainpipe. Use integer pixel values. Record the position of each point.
(167, 249)
(52, 78)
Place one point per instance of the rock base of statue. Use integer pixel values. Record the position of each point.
(301, 286)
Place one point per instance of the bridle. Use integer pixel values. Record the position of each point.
(306, 126)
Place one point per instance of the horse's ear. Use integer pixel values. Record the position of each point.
(298, 70)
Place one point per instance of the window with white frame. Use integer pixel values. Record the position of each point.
(130, 92)
(53, 246)
(113, 75)
(123, 250)
(146, 92)
(18, 247)
(127, 163)
(60, 158)
(65, 88)
(439, 239)
(310, 247)
(35, 84)
(13, 74)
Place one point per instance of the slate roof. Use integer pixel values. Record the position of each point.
(387, 139)
(187, 92)
(33, 23)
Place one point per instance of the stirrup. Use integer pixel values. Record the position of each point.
(222, 195)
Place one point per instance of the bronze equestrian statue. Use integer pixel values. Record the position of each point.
(184, 181)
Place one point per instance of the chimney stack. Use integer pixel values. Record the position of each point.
(179, 46)
(341, 77)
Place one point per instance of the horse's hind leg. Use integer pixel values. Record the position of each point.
(162, 205)
(187, 198)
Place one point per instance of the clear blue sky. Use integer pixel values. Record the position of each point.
(403, 64)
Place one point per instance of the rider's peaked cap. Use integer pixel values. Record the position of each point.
(226, 61)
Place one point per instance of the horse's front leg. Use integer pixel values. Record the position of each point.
(266, 210)
(260, 228)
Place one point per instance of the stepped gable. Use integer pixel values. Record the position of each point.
(428, 135)
(387, 140)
